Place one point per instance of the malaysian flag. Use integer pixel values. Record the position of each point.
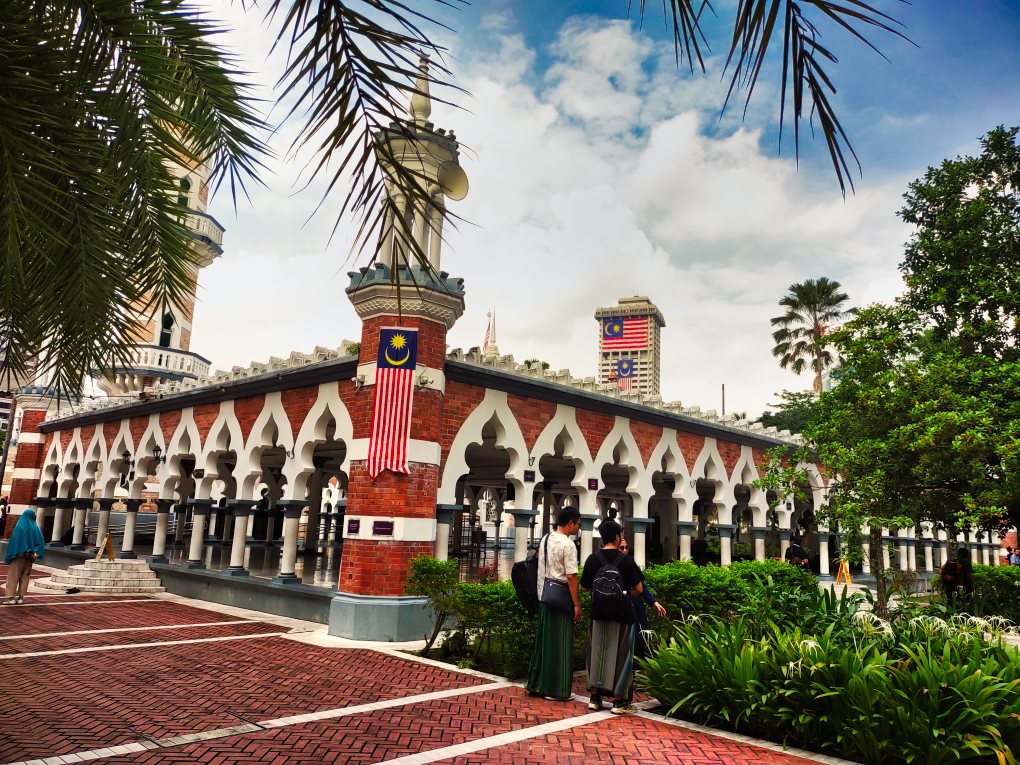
(624, 334)
(625, 374)
(391, 411)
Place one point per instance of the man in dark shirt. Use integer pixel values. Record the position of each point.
(611, 661)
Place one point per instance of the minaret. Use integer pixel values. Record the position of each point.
(490, 350)
(392, 519)
(163, 351)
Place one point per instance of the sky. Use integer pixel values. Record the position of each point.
(599, 170)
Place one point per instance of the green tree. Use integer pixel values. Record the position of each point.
(99, 94)
(544, 364)
(793, 412)
(802, 335)
(962, 265)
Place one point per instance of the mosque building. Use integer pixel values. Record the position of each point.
(306, 485)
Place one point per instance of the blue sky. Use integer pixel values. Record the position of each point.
(598, 170)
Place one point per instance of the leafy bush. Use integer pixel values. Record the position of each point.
(997, 591)
(436, 580)
(762, 591)
(929, 691)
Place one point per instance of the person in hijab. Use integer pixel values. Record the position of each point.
(24, 548)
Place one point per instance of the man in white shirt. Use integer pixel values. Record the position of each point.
(552, 661)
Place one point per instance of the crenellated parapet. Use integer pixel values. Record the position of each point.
(508, 365)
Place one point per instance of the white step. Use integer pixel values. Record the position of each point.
(105, 576)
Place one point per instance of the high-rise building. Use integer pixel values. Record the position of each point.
(629, 345)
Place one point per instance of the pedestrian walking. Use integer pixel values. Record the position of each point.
(613, 578)
(1012, 557)
(552, 660)
(24, 548)
(641, 603)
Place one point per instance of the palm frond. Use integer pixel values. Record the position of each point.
(805, 59)
(99, 97)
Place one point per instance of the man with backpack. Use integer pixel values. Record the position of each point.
(612, 577)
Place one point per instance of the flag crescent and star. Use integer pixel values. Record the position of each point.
(396, 362)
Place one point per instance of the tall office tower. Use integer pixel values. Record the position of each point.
(629, 345)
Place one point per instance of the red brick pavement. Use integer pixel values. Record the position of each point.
(62, 704)
(59, 704)
(628, 741)
(371, 738)
(64, 642)
(18, 620)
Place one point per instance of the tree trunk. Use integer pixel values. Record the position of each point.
(878, 569)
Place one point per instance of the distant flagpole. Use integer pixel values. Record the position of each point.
(489, 346)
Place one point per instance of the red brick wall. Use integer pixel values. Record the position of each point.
(691, 445)
(730, 454)
(205, 415)
(110, 431)
(65, 439)
(594, 426)
(431, 339)
(297, 403)
(168, 422)
(137, 426)
(87, 432)
(532, 415)
(368, 567)
(461, 401)
(360, 413)
(247, 410)
(647, 437)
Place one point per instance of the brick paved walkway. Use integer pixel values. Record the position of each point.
(161, 681)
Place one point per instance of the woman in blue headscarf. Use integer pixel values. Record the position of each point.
(25, 546)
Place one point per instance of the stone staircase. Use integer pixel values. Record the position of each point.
(117, 577)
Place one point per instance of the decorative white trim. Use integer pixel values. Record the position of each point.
(31, 438)
(436, 377)
(424, 452)
(26, 473)
(404, 529)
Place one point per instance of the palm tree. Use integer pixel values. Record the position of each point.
(98, 95)
(801, 340)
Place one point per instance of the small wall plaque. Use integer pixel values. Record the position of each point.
(593, 484)
(353, 525)
(382, 528)
(529, 476)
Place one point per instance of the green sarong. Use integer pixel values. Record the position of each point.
(551, 670)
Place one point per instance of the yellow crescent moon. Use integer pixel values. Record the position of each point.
(389, 358)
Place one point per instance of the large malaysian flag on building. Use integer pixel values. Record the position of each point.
(624, 334)
(391, 411)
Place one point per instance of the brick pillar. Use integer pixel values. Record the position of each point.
(28, 465)
(391, 520)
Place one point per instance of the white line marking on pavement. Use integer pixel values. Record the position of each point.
(500, 739)
(90, 649)
(83, 602)
(277, 722)
(123, 629)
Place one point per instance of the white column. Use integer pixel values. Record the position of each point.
(684, 534)
(436, 237)
(784, 542)
(127, 545)
(288, 557)
(926, 534)
(162, 525)
(200, 511)
(759, 542)
(823, 553)
(725, 544)
(886, 562)
(901, 545)
(238, 545)
(105, 504)
(522, 527)
(444, 518)
(866, 561)
(58, 521)
(80, 511)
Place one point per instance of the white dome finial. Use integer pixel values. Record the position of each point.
(421, 102)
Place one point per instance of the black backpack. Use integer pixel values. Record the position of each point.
(524, 575)
(609, 599)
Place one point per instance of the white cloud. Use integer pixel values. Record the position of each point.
(590, 181)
